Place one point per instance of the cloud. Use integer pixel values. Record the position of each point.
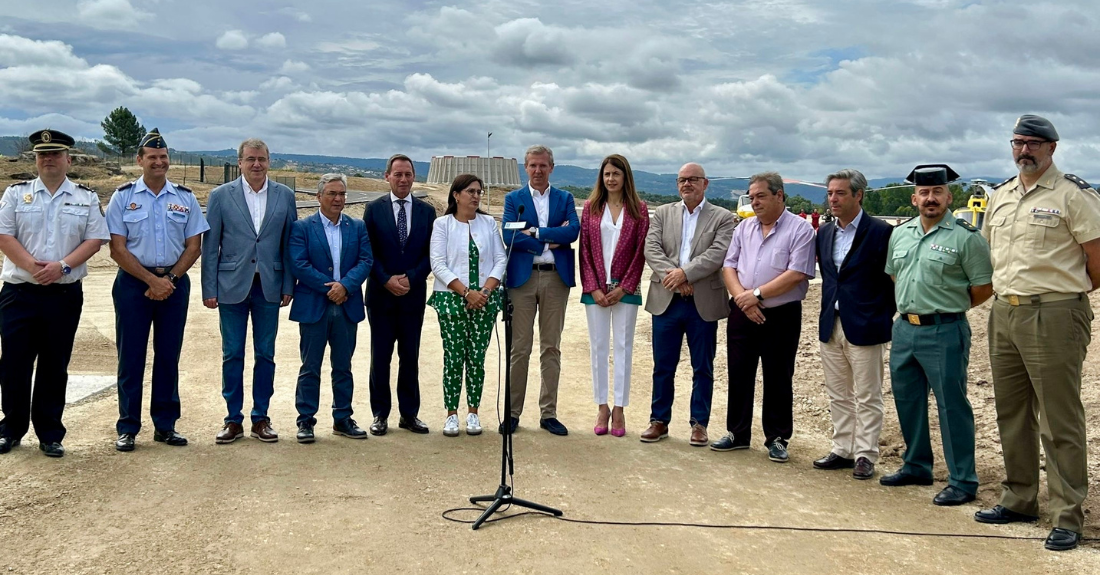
(232, 40)
(296, 14)
(293, 67)
(271, 40)
(278, 84)
(19, 51)
(110, 14)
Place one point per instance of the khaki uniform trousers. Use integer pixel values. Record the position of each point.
(546, 295)
(853, 379)
(1036, 353)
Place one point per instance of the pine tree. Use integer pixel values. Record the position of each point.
(122, 131)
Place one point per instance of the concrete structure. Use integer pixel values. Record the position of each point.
(503, 172)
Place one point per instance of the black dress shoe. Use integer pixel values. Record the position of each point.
(556, 427)
(834, 461)
(729, 443)
(348, 428)
(169, 437)
(952, 495)
(901, 479)
(865, 469)
(512, 422)
(6, 443)
(1000, 515)
(414, 425)
(125, 442)
(379, 427)
(305, 433)
(53, 449)
(1062, 539)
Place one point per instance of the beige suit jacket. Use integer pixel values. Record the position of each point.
(712, 238)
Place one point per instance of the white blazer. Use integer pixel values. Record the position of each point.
(450, 251)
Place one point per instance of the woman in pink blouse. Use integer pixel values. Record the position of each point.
(614, 224)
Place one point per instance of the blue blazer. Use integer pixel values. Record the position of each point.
(311, 264)
(525, 248)
(865, 291)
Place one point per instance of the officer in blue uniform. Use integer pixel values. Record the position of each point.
(49, 227)
(156, 230)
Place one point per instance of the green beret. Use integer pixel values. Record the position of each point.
(1038, 126)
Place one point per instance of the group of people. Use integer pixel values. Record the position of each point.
(1038, 255)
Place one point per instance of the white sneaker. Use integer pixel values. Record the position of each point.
(473, 424)
(450, 427)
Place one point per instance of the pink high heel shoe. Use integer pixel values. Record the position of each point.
(618, 431)
(601, 429)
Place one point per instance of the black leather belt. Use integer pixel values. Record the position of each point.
(932, 318)
(544, 267)
(159, 271)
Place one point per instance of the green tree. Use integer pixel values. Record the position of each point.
(122, 132)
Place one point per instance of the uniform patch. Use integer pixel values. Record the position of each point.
(27, 198)
(133, 207)
(76, 205)
(943, 249)
(179, 209)
(1052, 211)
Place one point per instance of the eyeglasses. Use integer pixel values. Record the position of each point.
(691, 180)
(474, 192)
(336, 194)
(1031, 144)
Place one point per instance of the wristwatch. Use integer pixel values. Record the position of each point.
(65, 268)
(172, 277)
(759, 296)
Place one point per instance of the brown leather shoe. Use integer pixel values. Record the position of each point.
(231, 432)
(262, 430)
(698, 436)
(656, 432)
(864, 469)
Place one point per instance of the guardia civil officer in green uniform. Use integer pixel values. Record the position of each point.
(1043, 228)
(49, 227)
(156, 229)
(940, 267)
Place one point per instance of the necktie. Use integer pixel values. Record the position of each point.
(402, 224)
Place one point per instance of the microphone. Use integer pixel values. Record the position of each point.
(515, 226)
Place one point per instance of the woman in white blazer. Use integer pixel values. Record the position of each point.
(468, 260)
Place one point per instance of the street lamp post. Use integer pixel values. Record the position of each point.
(488, 169)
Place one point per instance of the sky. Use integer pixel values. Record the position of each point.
(802, 87)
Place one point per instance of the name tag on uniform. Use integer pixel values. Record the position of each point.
(1051, 211)
(179, 209)
(76, 205)
(943, 249)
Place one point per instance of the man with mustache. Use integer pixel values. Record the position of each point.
(940, 267)
(1043, 227)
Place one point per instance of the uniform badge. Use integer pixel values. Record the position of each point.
(943, 249)
(179, 209)
(133, 206)
(1052, 211)
(45, 137)
(27, 198)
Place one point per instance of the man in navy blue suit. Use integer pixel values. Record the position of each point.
(540, 273)
(857, 308)
(330, 257)
(400, 230)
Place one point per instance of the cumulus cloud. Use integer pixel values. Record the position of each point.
(293, 67)
(271, 40)
(111, 14)
(277, 84)
(232, 40)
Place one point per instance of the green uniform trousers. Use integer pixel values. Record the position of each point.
(935, 357)
(1036, 352)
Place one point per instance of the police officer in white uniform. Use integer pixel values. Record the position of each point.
(49, 228)
(156, 236)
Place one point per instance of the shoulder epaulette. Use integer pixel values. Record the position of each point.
(1080, 183)
(124, 187)
(1004, 182)
(23, 183)
(966, 225)
(83, 187)
(184, 188)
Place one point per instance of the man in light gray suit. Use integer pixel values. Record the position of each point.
(685, 248)
(246, 269)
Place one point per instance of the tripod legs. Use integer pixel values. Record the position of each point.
(503, 497)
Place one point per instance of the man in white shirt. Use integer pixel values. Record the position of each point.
(246, 271)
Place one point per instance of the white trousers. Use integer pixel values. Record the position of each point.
(602, 321)
(853, 379)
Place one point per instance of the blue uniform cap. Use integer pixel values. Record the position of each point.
(153, 140)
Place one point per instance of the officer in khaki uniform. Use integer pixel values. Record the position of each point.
(1043, 227)
(941, 268)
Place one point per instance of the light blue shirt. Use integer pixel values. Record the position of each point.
(335, 240)
(49, 226)
(842, 243)
(155, 225)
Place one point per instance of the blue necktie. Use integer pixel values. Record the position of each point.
(402, 224)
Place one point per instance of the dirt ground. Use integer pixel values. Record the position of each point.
(375, 506)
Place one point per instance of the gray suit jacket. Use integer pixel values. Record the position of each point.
(713, 233)
(233, 250)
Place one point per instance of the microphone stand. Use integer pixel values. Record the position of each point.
(503, 495)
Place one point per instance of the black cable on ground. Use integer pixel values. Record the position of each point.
(448, 516)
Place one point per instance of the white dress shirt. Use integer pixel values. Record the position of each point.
(842, 242)
(690, 221)
(408, 210)
(542, 208)
(256, 201)
(335, 242)
(610, 230)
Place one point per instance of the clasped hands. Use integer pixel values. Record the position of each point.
(610, 298)
(748, 303)
(476, 299)
(676, 281)
(47, 272)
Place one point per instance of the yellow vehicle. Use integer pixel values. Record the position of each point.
(744, 207)
(974, 212)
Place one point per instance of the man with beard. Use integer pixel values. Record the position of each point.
(1043, 227)
(940, 267)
